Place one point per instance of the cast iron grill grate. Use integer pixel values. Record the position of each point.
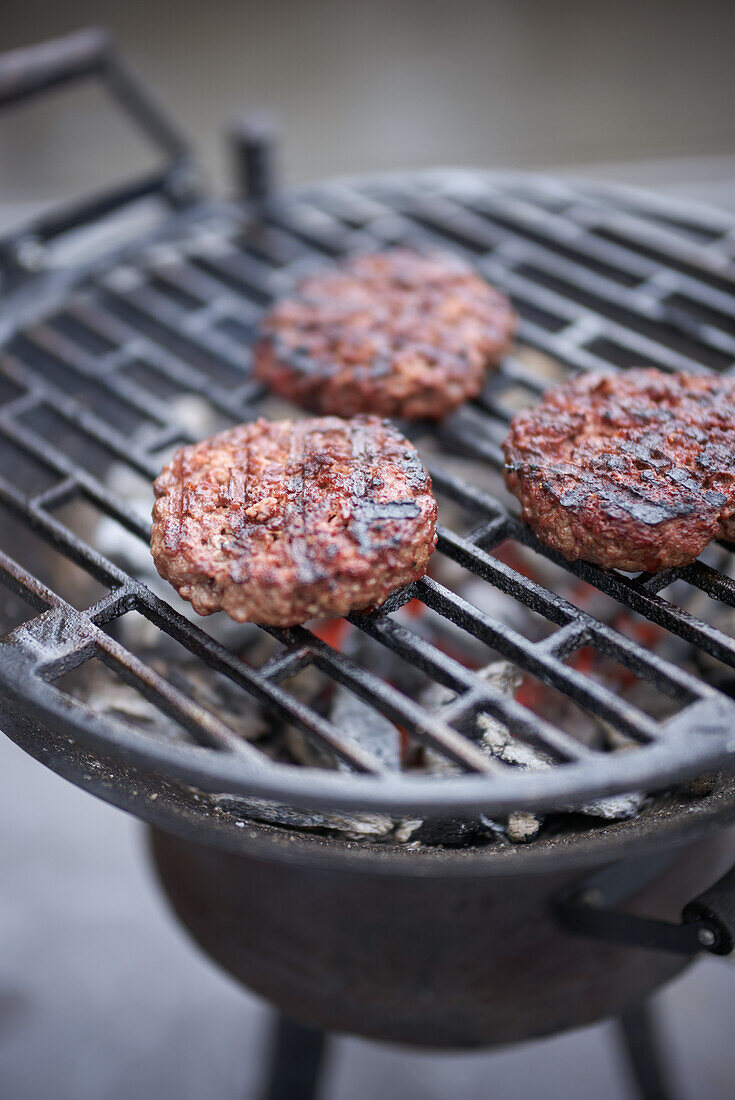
(601, 279)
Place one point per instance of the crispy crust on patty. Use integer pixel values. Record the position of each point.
(393, 333)
(280, 522)
(634, 471)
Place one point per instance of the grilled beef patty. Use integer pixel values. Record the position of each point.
(634, 471)
(286, 521)
(393, 333)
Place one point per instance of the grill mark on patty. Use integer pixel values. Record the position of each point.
(238, 498)
(627, 498)
(368, 512)
(640, 504)
(294, 512)
(633, 470)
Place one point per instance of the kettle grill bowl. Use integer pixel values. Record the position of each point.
(476, 959)
(181, 309)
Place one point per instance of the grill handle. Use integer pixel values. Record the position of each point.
(91, 53)
(715, 907)
(707, 924)
(32, 69)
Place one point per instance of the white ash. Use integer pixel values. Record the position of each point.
(124, 704)
(505, 747)
(405, 829)
(214, 692)
(616, 807)
(357, 827)
(500, 743)
(501, 675)
(368, 729)
(522, 826)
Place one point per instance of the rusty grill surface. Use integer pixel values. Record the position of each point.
(602, 279)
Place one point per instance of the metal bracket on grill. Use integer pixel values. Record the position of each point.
(708, 921)
(85, 54)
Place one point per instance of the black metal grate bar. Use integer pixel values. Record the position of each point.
(24, 584)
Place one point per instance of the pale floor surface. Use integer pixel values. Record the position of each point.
(103, 998)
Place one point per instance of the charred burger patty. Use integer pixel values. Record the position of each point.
(282, 522)
(393, 333)
(634, 471)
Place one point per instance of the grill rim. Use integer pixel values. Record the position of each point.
(177, 809)
(313, 787)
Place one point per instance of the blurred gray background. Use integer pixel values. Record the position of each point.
(101, 997)
(615, 87)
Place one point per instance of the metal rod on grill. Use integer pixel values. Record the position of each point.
(638, 1033)
(296, 1061)
(252, 143)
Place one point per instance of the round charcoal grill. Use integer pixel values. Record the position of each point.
(82, 385)
(602, 279)
(102, 364)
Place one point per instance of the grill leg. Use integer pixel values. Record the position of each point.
(296, 1061)
(641, 1043)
